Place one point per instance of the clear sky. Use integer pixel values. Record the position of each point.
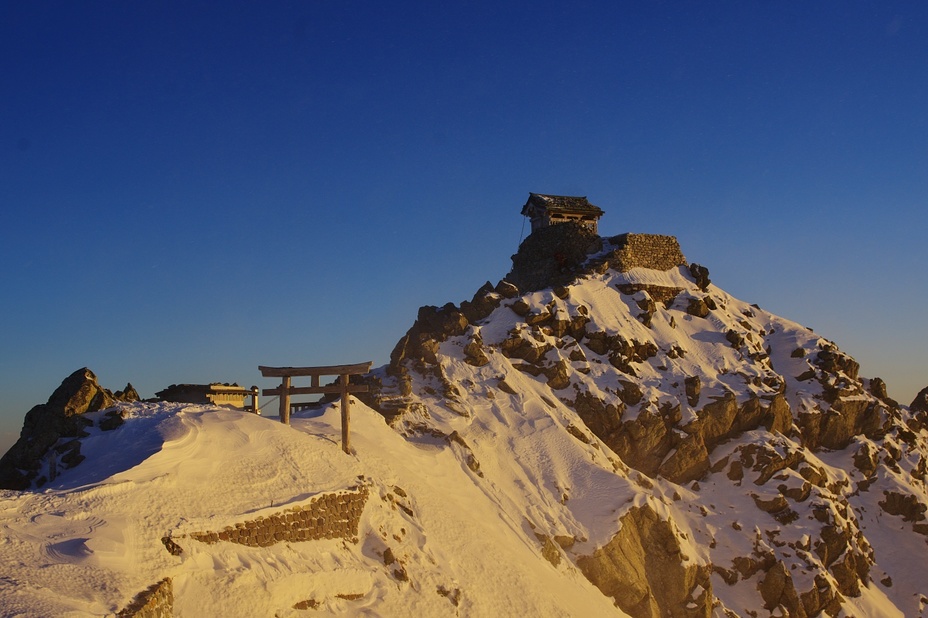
(189, 190)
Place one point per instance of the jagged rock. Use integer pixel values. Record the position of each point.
(420, 343)
(832, 361)
(538, 316)
(690, 461)
(648, 308)
(45, 424)
(485, 300)
(559, 377)
(598, 342)
(846, 419)
(643, 442)
(474, 354)
(735, 338)
(640, 420)
(700, 275)
(127, 395)
(697, 307)
(549, 550)
(447, 321)
(865, 460)
(878, 388)
(576, 354)
(520, 347)
(643, 569)
(506, 289)
(777, 590)
(630, 393)
(905, 506)
(521, 307)
(771, 505)
(821, 598)
(693, 386)
(603, 419)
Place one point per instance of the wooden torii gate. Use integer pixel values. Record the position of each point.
(343, 388)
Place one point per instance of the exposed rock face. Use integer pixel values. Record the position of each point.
(57, 423)
(643, 570)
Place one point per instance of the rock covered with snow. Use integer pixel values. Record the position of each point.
(51, 430)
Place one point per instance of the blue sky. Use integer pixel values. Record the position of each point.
(189, 190)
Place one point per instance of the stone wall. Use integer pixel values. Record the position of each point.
(658, 293)
(556, 255)
(645, 251)
(552, 256)
(330, 516)
(155, 602)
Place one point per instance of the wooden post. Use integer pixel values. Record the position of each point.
(346, 403)
(285, 400)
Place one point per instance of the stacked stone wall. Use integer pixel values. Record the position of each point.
(155, 602)
(552, 256)
(658, 293)
(652, 251)
(330, 516)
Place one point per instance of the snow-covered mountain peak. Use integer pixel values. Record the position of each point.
(604, 432)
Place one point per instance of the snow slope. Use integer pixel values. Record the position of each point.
(88, 544)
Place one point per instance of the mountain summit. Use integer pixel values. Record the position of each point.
(603, 432)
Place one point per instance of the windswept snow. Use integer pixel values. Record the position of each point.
(89, 543)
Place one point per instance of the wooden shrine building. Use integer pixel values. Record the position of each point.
(546, 210)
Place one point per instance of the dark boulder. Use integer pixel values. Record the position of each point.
(697, 307)
(693, 387)
(700, 275)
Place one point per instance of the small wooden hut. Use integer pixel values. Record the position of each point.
(546, 210)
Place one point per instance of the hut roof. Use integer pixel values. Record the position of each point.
(560, 203)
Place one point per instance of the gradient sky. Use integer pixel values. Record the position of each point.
(189, 190)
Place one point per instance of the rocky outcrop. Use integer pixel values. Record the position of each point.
(644, 569)
(51, 431)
